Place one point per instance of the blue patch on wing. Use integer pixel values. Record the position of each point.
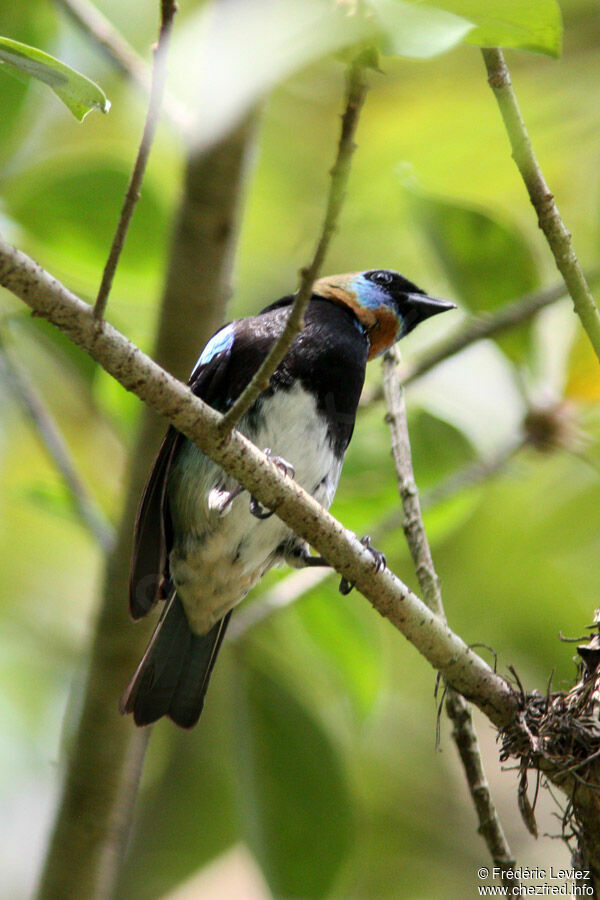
(220, 342)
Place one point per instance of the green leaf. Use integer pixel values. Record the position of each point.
(438, 448)
(487, 260)
(410, 29)
(69, 203)
(350, 643)
(33, 23)
(295, 799)
(78, 93)
(525, 24)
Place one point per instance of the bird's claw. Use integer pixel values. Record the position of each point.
(258, 511)
(286, 468)
(282, 464)
(378, 557)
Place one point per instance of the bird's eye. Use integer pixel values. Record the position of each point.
(380, 277)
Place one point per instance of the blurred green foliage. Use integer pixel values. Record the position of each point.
(317, 746)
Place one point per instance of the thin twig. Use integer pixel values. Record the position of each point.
(159, 74)
(414, 528)
(121, 54)
(467, 744)
(549, 218)
(49, 434)
(356, 90)
(457, 707)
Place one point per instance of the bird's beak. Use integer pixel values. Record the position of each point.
(420, 307)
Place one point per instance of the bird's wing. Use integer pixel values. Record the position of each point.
(149, 558)
(152, 535)
(226, 365)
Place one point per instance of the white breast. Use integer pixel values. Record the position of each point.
(215, 560)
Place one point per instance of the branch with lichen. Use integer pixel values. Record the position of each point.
(296, 585)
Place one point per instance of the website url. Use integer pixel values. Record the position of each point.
(535, 890)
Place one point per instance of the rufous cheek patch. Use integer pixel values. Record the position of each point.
(384, 331)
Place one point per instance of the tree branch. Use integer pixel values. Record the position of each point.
(31, 402)
(159, 75)
(461, 667)
(355, 95)
(550, 221)
(458, 709)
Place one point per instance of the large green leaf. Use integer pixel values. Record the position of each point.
(438, 448)
(295, 800)
(231, 54)
(347, 636)
(33, 23)
(71, 204)
(410, 29)
(487, 260)
(79, 94)
(526, 24)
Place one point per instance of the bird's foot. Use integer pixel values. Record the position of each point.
(282, 464)
(259, 511)
(298, 556)
(286, 468)
(378, 557)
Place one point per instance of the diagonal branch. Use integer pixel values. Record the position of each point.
(549, 218)
(458, 709)
(33, 405)
(446, 651)
(356, 91)
(159, 75)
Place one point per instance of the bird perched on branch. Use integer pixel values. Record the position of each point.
(199, 545)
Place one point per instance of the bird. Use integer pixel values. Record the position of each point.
(199, 545)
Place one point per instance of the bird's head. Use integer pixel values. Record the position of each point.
(385, 303)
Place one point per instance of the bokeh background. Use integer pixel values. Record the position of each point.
(314, 771)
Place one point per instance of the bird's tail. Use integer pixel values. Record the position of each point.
(174, 672)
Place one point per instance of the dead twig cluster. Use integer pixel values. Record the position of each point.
(558, 735)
